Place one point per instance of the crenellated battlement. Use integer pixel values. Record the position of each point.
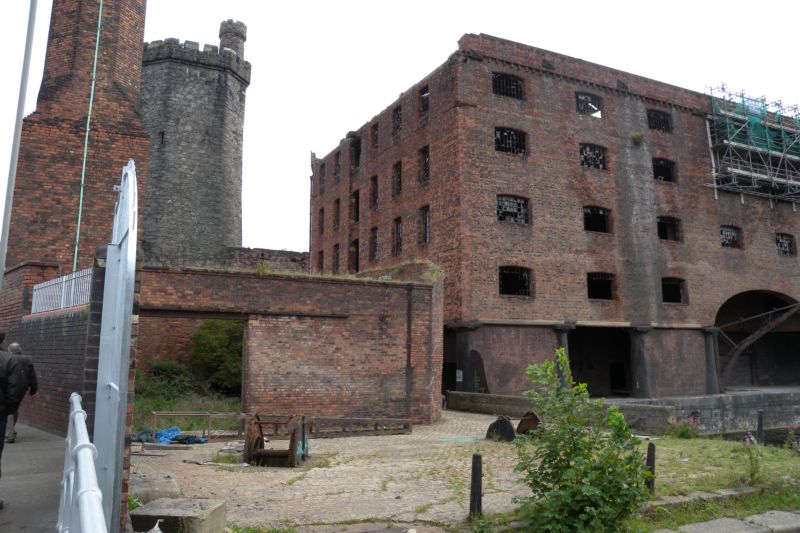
(211, 56)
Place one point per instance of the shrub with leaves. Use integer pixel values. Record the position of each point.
(216, 354)
(166, 379)
(582, 462)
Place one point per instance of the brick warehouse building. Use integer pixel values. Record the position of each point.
(648, 228)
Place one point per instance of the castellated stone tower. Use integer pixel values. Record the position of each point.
(193, 111)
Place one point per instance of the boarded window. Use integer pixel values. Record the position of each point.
(663, 169)
(373, 244)
(397, 120)
(336, 213)
(593, 156)
(659, 120)
(352, 260)
(397, 179)
(596, 219)
(509, 141)
(730, 236)
(424, 164)
(373, 192)
(507, 85)
(673, 290)
(785, 244)
(424, 101)
(669, 228)
(512, 209)
(335, 259)
(600, 286)
(515, 281)
(425, 224)
(397, 236)
(589, 104)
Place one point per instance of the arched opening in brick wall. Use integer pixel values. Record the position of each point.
(759, 340)
(601, 358)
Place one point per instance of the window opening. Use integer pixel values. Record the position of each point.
(593, 156)
(321, 220)
(320, 261)
(355, 207)
(397, 236)
(669, 228)
(397, 120)
(373, 244)
(672, 291)
(512, 209)
(600, 286)
(373, 135)
(336, 213)
(425, 224)
(322, 178)
(424, 101)
(353, 256)
(335, 259)
(730, 236)
(424, 165)
(663, 169)
(337, 166)
(589, 104)
(355, 152)
(397, 179)
(507, 85)
(515, 281)
(596, 219)
(659, 120)
(373, 192)
(785, 244)
(509, 141)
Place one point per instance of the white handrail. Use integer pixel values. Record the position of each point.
(81, 507)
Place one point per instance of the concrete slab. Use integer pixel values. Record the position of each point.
(723, 525)
(778, 521)
(181, 515)
(147, 488)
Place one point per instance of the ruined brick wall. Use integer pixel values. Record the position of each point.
(274, 260)
(373, 346)
(193, 105)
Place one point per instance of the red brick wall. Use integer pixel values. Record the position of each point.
(16, 295)
(373, 346)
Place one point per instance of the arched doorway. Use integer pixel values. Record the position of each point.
(759, 339)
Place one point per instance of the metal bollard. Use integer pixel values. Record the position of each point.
(476, 487)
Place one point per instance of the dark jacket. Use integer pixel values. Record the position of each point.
(30, 372)
(13, 383)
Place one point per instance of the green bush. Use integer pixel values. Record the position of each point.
(581, 463)
(165, 379)
(685, 429)
(216, 354)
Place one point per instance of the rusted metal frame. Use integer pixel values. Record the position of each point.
(749, 318)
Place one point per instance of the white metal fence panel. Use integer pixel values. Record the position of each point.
(115, 345)
(66, 291)
(81, 507)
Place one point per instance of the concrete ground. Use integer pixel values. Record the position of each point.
(30, 484)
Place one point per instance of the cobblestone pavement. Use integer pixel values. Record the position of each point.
(416, 480)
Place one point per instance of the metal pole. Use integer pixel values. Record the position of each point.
(476, 487)
(760, 431)
(12, 164)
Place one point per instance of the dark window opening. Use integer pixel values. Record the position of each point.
(425, 224)
(785, 244)
(424, 101)
(355, 206)
(373, 244)
(730, 236)
(373, 135)
(509, 141)
(321, 220)
(161, 137)
(397, 120)
(596, 219)
(373, 192)
(336, 213)
(355, 152)
(507, 85)
(673, 290)
(352, 260)
(659, 120)
(669, 228)
(663, 169)
(397, 236)
(397, 179)
(593, 156)
(337, 166)
(335, 259)
(424, 165)
(589, 104)
(515, 281)
(320, 261)
(512, 209)
(322, 178)
(600, 286)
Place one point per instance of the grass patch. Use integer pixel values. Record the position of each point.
(236, 529)
(144, 405)
(227, 458)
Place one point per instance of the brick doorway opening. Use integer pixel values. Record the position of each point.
(601, 358)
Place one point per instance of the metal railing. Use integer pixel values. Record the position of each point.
(66, 291)
(81, 507)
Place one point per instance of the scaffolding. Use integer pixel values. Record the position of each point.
(755, 146)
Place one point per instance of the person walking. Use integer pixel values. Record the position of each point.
(13, 386)
(30, 374)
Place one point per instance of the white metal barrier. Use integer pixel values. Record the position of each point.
(81, 507)
(65, 291)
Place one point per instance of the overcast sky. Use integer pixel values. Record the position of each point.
(322, 68)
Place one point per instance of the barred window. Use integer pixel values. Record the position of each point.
(320, 261)
(424, 101)
(512, 209)
(322, 178)
(673, 290)
(509, 141)
(663, 169)
(730, 236)
(785, 244)
(373, 192)
(425, 224)
(515, 281)
(593, 156)
(355, 206)
(373, 244)
(596, 219)
(669, 228)
(589, 104)
(321, 220)
(600, 286)
(507, 85)
(336, 213)
(397, 236)
(335, 259)
(659, 120)
(352, 259)
(397, 120)
(397, 179)
(424, 164)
